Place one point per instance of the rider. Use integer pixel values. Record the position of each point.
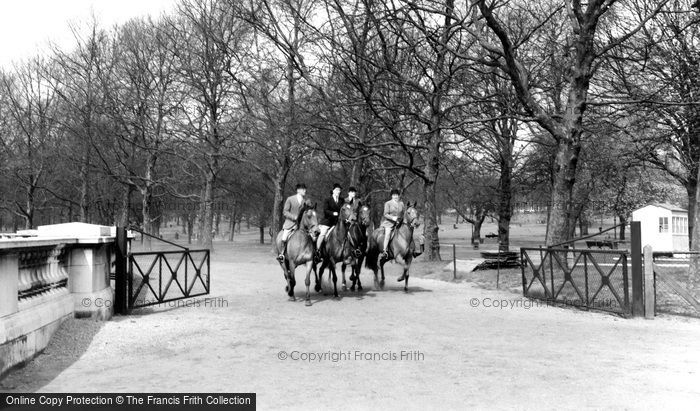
(291, 209)
(352, 199)
(393, 214)
(331, 210)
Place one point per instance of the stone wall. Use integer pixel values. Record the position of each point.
(59, 272)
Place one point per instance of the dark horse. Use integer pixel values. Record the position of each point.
(400, 250)
(358, 234)
(337, 246)
(300, 250)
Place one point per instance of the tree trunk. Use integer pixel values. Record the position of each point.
(84, 189)
(505, 208)
(583, 225)
(123, 220)
(207, 217)
(476, 231)
(262, 233)
(232, 223)
(29, 212)
(190, 227)
(146, 216)
(694, 266)
(623, 223)
(691, 187)
(561, 222)
(280, 183)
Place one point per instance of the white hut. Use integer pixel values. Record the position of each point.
(664, 226)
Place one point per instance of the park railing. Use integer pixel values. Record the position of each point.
(675, 281)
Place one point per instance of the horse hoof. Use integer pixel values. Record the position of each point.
(318, 288)
(352, 277)
(286, 288)
(381, 284)
(405, 289)
(352, 288)
(345, 287)
(359, 288)
(292, 299)
(308, 303)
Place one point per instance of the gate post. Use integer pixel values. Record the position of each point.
(637, 273)
(649, 291)
(120, 305)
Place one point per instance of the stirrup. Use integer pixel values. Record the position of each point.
(280, 258)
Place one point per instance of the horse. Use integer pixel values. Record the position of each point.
(300, 250)
(400, 250)
(358, 234)
(337, 246)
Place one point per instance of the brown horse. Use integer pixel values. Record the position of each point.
(300, 250)
(337, 247)
(400, 250)
(358, 233)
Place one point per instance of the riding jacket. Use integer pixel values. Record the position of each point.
(394, 209)
(330, 206)
(291, 209)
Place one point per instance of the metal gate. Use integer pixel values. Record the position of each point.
(593, 279)
(149, 278)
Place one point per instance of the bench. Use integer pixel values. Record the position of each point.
(602, 244)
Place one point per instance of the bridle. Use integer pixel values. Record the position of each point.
(309, 229)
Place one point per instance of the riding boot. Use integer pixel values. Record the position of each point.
(280, 257)
(317, 254)
(422, 250)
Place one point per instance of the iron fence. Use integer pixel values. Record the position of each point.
(586, 278)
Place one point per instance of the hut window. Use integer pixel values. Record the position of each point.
(663, 224)
(680, 225)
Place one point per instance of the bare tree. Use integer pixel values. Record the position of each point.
(577, 42)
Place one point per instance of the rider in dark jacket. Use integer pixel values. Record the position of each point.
(331, 211)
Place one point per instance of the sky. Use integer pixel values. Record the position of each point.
(27, 26)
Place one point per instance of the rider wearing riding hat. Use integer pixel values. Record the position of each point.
(331, 211)
(394, 210)
(393, 214)
(352, 199)
(291, 209)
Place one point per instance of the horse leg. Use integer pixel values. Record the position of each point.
(381, 266)
(285, 271)
(317, 287)
(405, 275)
(353, 277)
(358, 269)
(309, 267)
(335, 279)
(342, 269)
(292, 283)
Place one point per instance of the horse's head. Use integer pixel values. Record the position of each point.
(309, 219)
(364, 215)
(412, 216)
(347, 214)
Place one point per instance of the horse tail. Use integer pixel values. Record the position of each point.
(372, 254)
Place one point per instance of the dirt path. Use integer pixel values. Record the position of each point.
(483, 357)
